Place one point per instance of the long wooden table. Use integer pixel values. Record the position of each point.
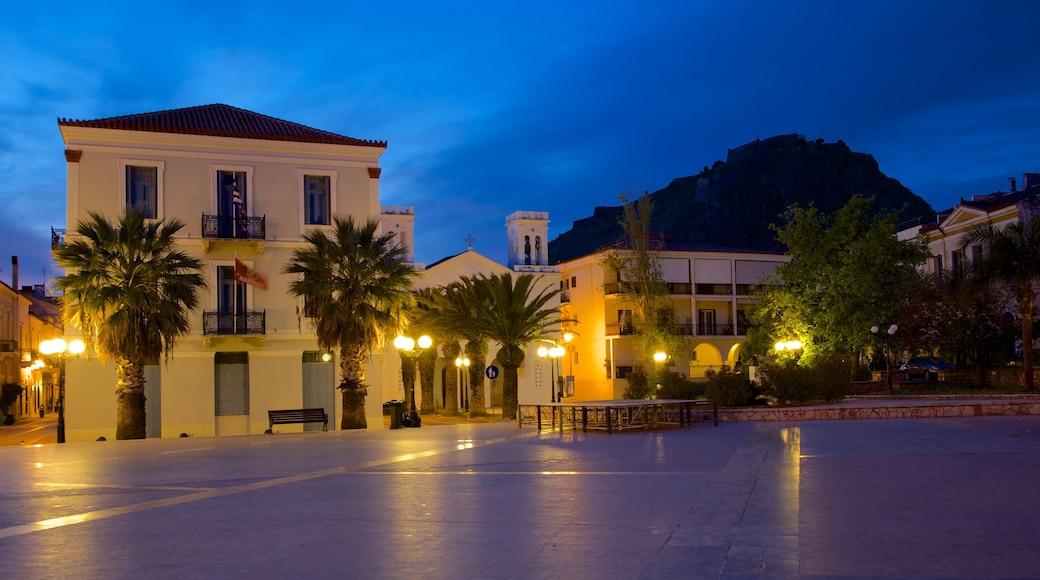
(619, 415)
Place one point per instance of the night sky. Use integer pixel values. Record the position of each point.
(492, 107)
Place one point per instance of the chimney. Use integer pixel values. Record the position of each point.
(1013, 184)
(14, 272)
(1032, 180)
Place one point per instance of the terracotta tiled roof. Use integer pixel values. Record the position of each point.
(220, 121)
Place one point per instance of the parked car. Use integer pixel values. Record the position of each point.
(927, 367)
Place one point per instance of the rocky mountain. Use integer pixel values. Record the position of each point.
(732, 203)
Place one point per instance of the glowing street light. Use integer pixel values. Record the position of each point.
(460, 363)
(552, 353)
(408, 351)
(59, 349)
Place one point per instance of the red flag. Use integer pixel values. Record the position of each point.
(249, 276)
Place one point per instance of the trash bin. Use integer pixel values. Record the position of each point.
(395, 409)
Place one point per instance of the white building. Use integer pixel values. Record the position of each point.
(248, 187)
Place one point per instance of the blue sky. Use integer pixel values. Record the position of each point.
(492, 107)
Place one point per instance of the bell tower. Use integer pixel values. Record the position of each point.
(528, 233)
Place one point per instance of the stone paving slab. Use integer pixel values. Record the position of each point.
(906, 498)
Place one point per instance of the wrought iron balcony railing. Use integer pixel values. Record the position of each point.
(619, 329)
(250, 322)
(714, 330)
(231, 228)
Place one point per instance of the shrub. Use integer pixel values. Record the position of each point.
(677, 386)
(9, 393)
(829, 379)
(638, 384)
(729, 387)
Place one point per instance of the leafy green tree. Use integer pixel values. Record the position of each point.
(1011, 256)
(131, 292)
(640, 284)
(848, 272)
(518, 314)
(356, 284)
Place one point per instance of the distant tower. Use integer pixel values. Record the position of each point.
(401, 221)
(528, 233)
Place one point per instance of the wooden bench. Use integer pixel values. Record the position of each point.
(285, 416)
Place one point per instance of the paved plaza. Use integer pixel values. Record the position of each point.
(889, 498)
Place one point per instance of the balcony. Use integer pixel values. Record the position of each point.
(251, 324)
(684, 288)
(218, 228)
(8, 345)
(565, 297)
(619, 329)
(714, 330)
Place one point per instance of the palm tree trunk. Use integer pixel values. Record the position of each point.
(130, 417)
(477, 353)
(510, 385)
(427, 368)
(352, 385)
(451, 351)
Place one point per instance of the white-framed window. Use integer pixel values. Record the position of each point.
(227, 180)
(317, 197)
(141, 184)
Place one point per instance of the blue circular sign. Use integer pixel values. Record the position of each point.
(491, 372)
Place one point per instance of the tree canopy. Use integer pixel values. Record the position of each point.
(848, 272)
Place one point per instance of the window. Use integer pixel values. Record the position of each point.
(317, 199)
(574, 281)
(142, 184)
(976, 254)
(937, 264)
(957, 261)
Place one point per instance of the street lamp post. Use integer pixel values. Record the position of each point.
(460, 363)
(60, 349)
(410, 354)
(886, 335)
(552, 353)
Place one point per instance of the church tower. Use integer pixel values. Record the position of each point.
(401, 221)
(528, 233)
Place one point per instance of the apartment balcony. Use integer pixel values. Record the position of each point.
(619, 329)
(565, 297)
(683, 288)
(217, 228)
(714, 329)
(8, 345)
(251, 325)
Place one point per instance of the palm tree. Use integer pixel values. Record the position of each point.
(464, 307)
(440, 318)
(131, 292)
(518, 316)
(422, 321)
(357, 286)
(1012, 256)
